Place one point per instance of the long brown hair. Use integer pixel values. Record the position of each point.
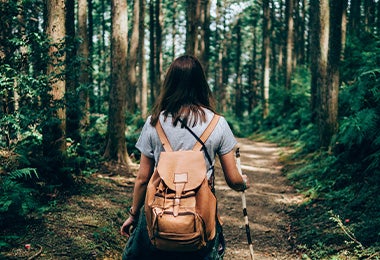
(184, 92)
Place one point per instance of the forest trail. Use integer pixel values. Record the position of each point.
(85, 224)
(269, 200)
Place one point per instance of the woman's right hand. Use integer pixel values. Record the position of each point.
(246, 181)
(231, 173)
(128, 226)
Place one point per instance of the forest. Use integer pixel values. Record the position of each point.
(78, 80)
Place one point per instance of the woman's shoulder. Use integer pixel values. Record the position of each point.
(148, 126)
(210, 114)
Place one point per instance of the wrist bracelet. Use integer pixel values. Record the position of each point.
(244, 186)
(131, 214)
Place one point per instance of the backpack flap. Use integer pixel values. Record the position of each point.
(172, 164)
(181, 171)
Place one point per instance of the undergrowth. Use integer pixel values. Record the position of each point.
(26, 194)
(341, 216)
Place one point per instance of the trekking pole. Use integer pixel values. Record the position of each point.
(244, 204)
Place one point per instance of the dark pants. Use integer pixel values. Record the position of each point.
(139, 247)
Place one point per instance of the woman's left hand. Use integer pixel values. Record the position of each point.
(128, 226)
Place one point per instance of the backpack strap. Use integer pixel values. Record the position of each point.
(163, 138)
(207, 132)
(200, 145)
(200, 140)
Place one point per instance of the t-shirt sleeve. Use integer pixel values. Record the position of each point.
(227, 141)
(144, 144)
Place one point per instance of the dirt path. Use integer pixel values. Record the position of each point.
(85, 225)
(268, 201)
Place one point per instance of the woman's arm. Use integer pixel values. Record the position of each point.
(231, 173)
(139, 191)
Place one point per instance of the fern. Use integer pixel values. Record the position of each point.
(359, 127)
(17, 198)
(24, 173)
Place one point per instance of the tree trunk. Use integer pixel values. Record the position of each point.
(253, 96)
(91, 87)
(224, 66)
(238, 87)
(192, 22)
(320, 38)
(328, 120)
(354, 19)
(174, 29)
(54, 131)
(278, 48)
(116, 146)
(84, 54)
(142, 65)
(219, 54)
(289, 42)
(344, 29)
(73, 110)
(302, 34)
(266, 57)
(369, 15)
(204, 52)
(159, 27)
(153, 54)
(315, 55)
(132, 59)
(104, 64)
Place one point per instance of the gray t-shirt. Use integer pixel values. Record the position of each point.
(221, 140)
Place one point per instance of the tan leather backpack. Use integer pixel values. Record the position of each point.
(180, 207)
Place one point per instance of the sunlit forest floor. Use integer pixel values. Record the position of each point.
(85, 223)
(269, 200)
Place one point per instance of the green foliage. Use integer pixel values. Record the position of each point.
(345, 180)
(240, 127)
(18, 200)
(134, 123)
(289, 119)
(23, 173)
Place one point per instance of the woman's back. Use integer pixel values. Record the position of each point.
(219, 142)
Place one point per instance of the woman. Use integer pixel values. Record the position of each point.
(185, 99)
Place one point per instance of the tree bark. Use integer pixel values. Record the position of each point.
(132, 59)
(159, 27)
(204, 50)
(153, 54)
(174, 29)
(302, 34)
(253, 96)
(54, 131)
(238, 86)
(369, 15)
(327, 37)
(84, 54)
(328, 120)
(192, 23)
(289, 43)
(354, 20)
(219, 55)
(142, 65)
(315, 55)
(266, 57)
(116, 145)
(72, 112)
(91, 87)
